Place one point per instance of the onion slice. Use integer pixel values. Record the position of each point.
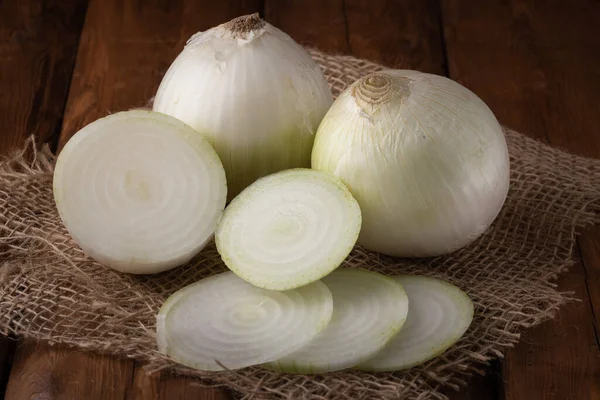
(139, 191)
(289, 229)
(439, 315)
(369, 309)
(225, 320)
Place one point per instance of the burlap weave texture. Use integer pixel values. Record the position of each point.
(49, 290)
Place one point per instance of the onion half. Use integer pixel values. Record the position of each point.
(139, 191)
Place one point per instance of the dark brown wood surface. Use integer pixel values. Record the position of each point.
(536, 64)
(542, 83)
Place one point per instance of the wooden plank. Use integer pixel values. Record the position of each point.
(43, 372)
(125, 49)
(160, 386)
(403, 34)
(316, 23)
(38, 43)
(543, 83)
(558, 359)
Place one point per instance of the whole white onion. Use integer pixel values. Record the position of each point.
(253, 92)
(424, 157)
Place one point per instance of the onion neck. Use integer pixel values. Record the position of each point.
(379, 88)
(242, 27)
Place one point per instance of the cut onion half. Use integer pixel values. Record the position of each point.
(439, 315)
(224, 322)
(139, 191)
(289, 229)
(369, 309)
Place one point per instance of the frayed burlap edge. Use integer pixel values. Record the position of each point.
(50, 291)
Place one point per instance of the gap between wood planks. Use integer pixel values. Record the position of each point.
(589, 247)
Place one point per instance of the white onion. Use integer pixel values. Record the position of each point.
(253, 92)
(288, 229)
(368, 310)
(139, 191)
(224, 320)
(439, 315)
(425, 158)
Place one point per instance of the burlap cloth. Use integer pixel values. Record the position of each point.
(50, 291)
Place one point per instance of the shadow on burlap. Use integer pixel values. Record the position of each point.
(50, 291)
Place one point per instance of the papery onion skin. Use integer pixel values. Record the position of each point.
(425, 158)
(253, 92)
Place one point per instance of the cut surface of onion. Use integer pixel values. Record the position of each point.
(225, 320)
(289, 229)
(369, 309)
(439, 315)
(139, 191)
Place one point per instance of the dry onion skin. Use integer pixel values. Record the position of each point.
(425, 158)
(139, 191)
(253, 92)
(438, 316)
(369, 310)
(224, 322)
(288, 229)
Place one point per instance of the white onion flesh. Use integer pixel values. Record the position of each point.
(253, 92)
(288, 229)
(139, 191)
(223, 321)
(369, 310)
(438, 316)
(424, 157)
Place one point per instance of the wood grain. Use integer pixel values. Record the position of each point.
(160, 386)
(539, 77)
(317, 23)
(400, 34)
(38, 43)
(54, 373)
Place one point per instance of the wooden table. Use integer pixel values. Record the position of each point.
(64, 63)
